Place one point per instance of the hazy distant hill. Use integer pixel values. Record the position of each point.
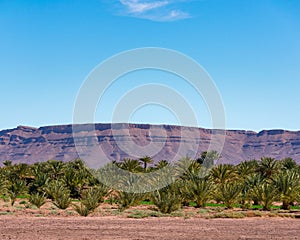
(26, 144)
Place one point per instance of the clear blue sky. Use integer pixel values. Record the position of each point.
(250, 48)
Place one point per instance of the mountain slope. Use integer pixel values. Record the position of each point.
(27, 144)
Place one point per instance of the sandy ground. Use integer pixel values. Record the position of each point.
(24, 222)
(12, 227)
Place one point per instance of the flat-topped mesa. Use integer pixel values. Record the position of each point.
(60, 129)
(29, 144)
(272, 132)
(26, 128)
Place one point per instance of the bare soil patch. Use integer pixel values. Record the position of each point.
(24, 222)
(13, 227)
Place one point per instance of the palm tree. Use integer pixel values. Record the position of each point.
(223, 173)
(167, 199)
(76, 180)
(39, 182)
(229, 193)
(268, 167)
(188, 168)
(199, 190)
(100, 192)
(146, 160)
(54, 188)
(15, 189)
(288, 164)
(128, 199)
(3, 183)
(110, 174)
(90, 199)
(249, 183)
(131, 165)
(17, 172)
(60, 194)
(128, 195)
(266, 193)
(55, 169)
(38, 199)
(288, 186)
(22, 170)
(161, 164)
(247, 168)
(7, 163)
(77, 164)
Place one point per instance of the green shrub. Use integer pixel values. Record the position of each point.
(96, 193)
(15, 189)
(90, 199)
(81, 209)
(229, 193)
(167, 199)
(37, 199)
(63, 201)
(288, 186)
(199, 190)
(266, 193)
(3, 186)
(127, 199)
(59, 193)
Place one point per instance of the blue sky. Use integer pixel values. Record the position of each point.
(250, 48)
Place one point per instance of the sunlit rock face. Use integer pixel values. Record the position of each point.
(29, 145)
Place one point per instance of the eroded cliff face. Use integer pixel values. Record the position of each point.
(29, 145)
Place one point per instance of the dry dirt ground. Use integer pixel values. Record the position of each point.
(24, 222)
(25, 228)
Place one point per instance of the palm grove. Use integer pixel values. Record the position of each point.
(184, 183)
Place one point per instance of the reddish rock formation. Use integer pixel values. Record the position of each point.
(27, 144)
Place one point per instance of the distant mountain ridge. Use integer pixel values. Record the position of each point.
(28, 144)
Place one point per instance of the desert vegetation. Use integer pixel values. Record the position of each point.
(257, 184)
